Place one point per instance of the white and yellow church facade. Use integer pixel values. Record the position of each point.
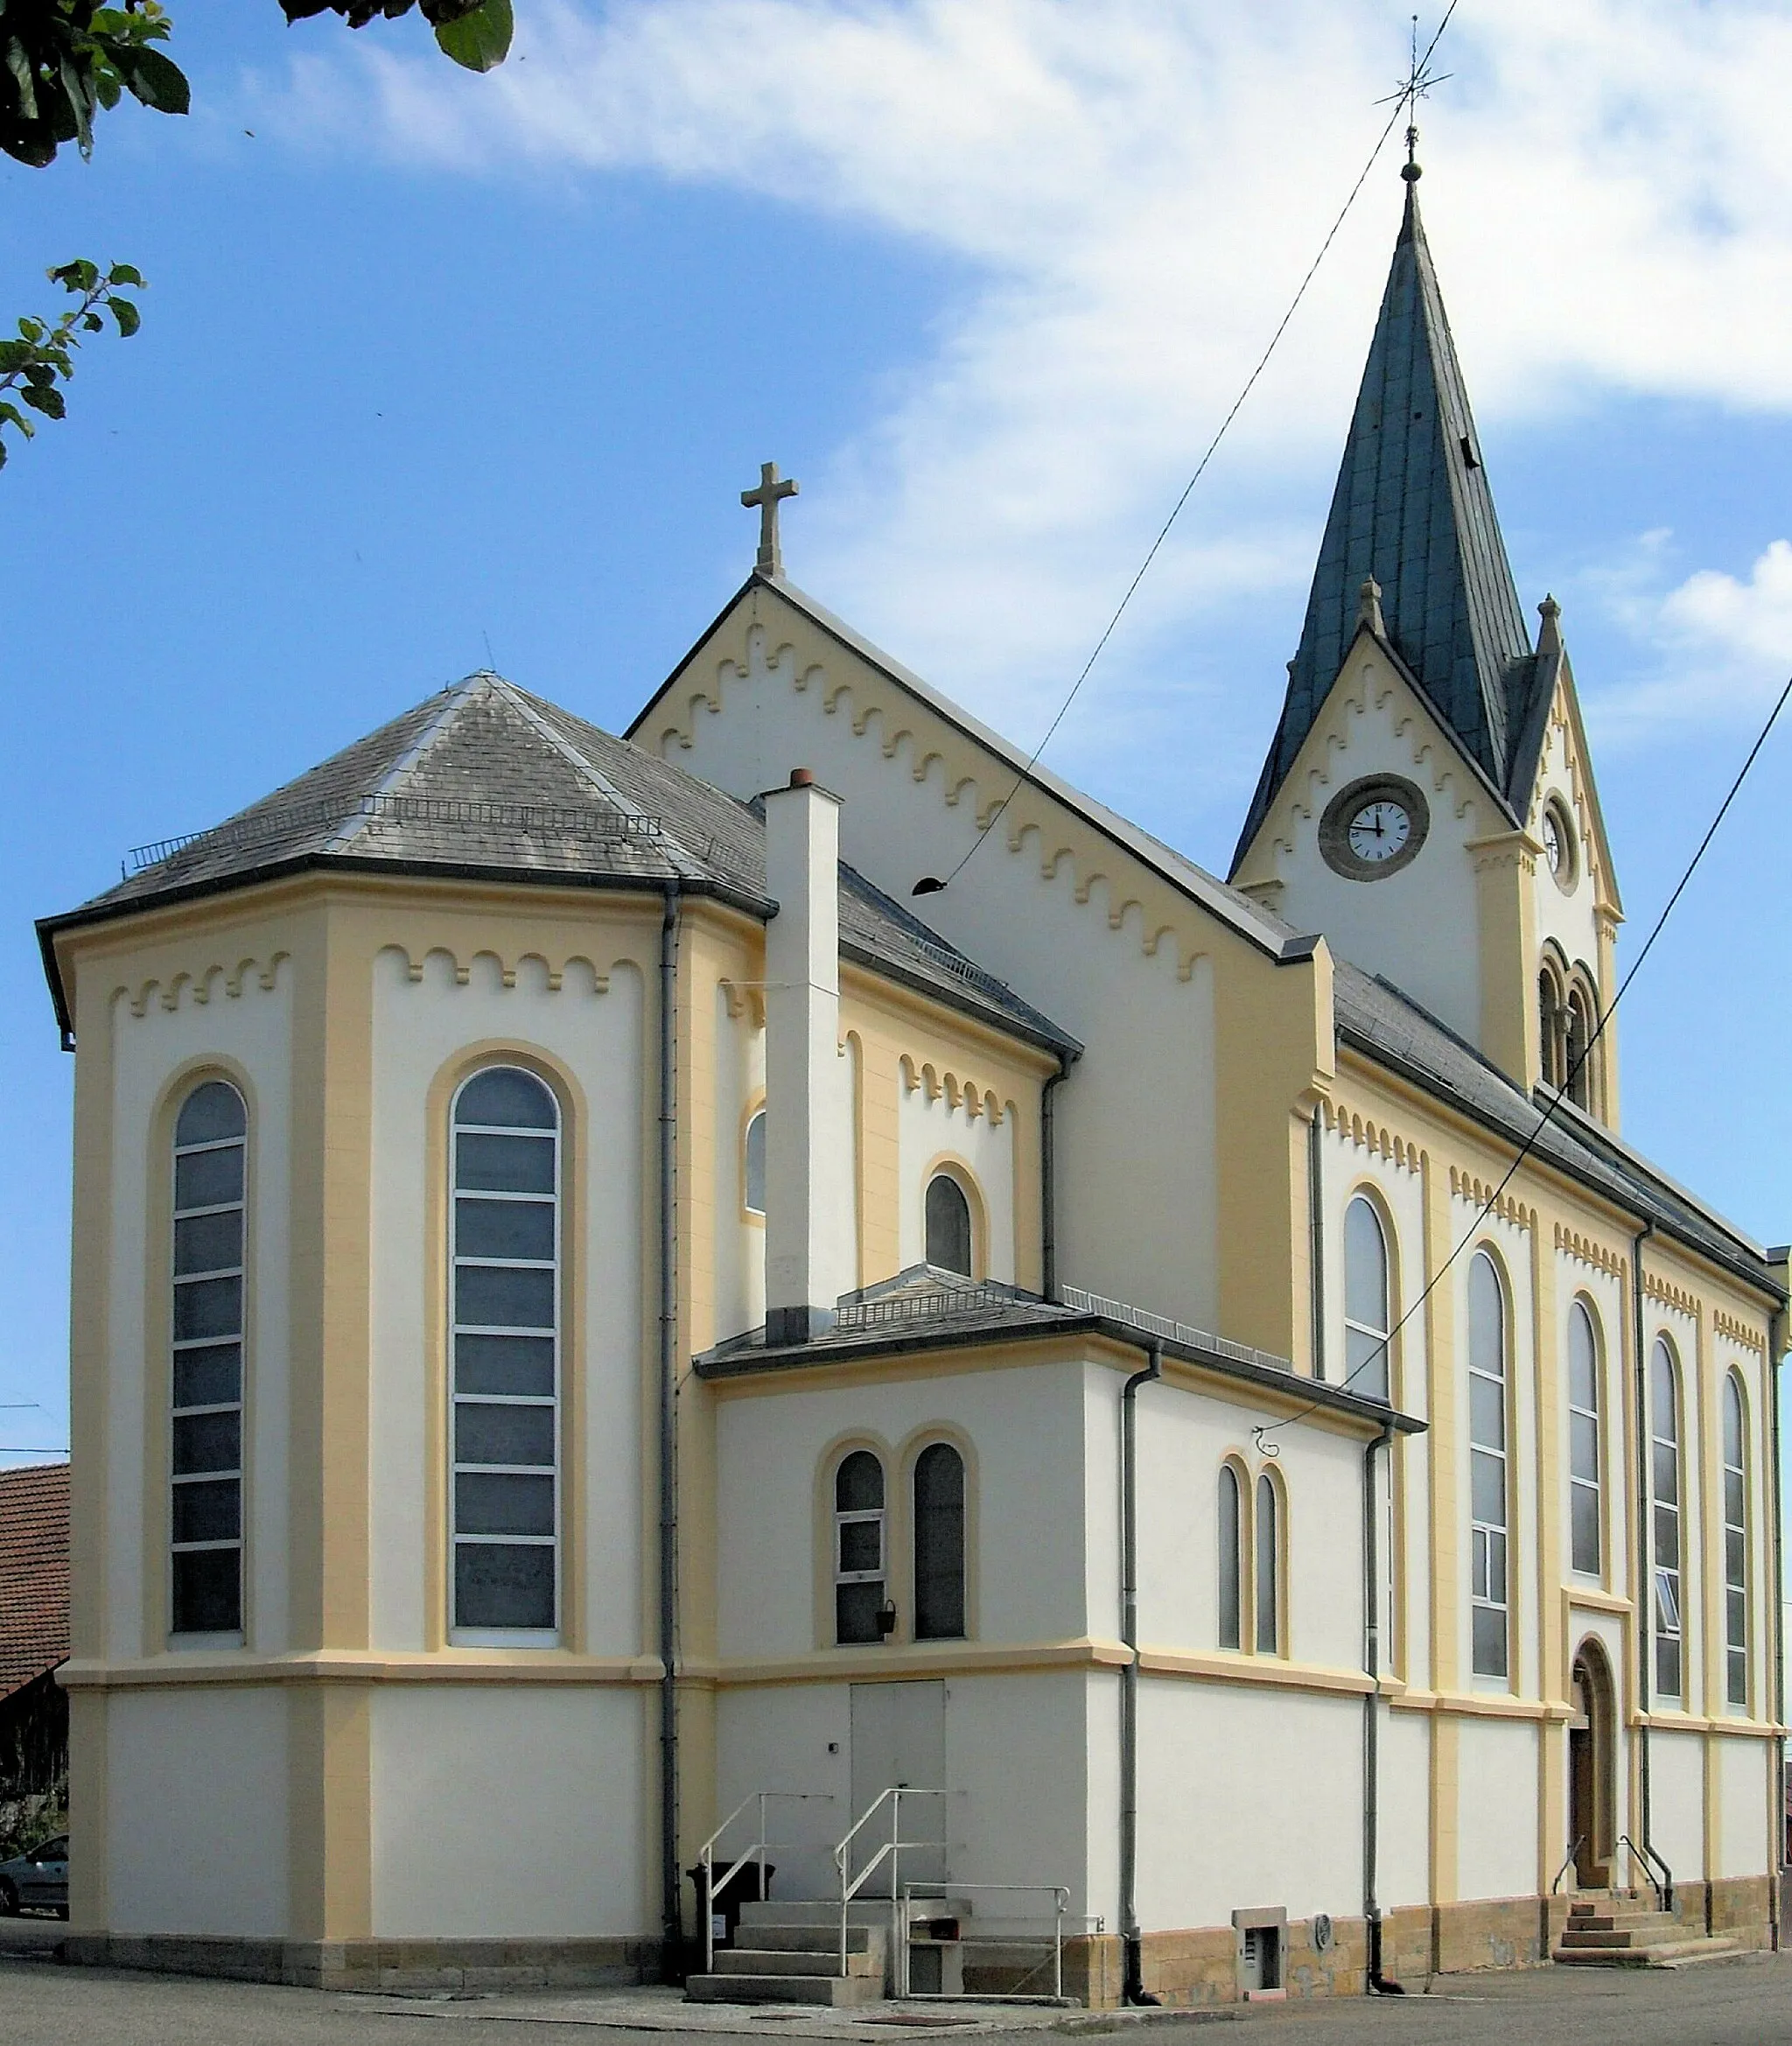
(593, 1302)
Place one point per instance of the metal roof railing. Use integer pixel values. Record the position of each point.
(1091, 1303)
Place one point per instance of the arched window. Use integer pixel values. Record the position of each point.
(1550, 1025)
(939, 1543)
(1268, 1572)
(1486, 1466)
(1366, 1310)
(211, 1137)
(858, 1548)
(1735, 1547)
(949, 1225)
(1579, 1078)
(1231, 1560)
(1665, 1471)
(1584, 1516)
(506, 1335)
(753, 1165)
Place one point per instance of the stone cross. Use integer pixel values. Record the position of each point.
(770, 559)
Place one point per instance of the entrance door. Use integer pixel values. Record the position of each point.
(898, 1737)
(1591, 1778)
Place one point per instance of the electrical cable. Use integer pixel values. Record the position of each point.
(1382, 1350)
(1408, 96)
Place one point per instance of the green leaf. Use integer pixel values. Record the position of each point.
(19, 66)
(11, 414)
(129, 319)
(79, 276)
(91, 322)
(3, 454)
(122, 273)
(49, 402)
(31, 330)
(478, 41)
(156, 80)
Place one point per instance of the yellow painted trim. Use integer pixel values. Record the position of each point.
(1477, 1705)
(953, 1166)
(330, 1812)
(1584, 1598)
(451, 1665)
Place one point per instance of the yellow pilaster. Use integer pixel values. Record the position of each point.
(1505, 865)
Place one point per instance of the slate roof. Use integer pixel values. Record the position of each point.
(1375, 1017)
(33, 1574)
(485, 779)
(1412, 509)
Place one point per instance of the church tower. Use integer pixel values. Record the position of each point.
(1428, 800)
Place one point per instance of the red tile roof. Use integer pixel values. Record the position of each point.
(33, 1572)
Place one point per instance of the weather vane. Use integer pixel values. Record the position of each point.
(1414, 87)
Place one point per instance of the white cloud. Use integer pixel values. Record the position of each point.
(1138, 186)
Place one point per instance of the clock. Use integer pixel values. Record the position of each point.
(1374, 828)
(1558, 843)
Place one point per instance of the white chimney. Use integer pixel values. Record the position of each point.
(807, 1138)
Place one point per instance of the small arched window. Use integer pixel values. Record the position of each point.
(1583, 1514)
(1365, 1308)
(939, 1543)
(1231, 1560)
(505, 1333)
(858, 1548)
(753, 1165)
(1268, 1572)
(211, 1141)
(1578, 1077)
(949, 1225)
(1664, 1475)
(1735, 1546)
(1487, 1468)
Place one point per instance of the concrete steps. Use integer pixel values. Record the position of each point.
(1619, 1933)
(790, 1953)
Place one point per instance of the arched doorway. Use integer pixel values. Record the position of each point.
(1593, 1767)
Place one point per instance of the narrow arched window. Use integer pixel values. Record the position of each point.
(753, 1165)
(210, 1140)
(949, 1225)
(1268, 1572)
(1231, 1560)
(1583, 1514)
(505, 1333)
(1579, 1053)
(1548, 1004)
(1366, 1308)
(858, 1548)
(939, 1543)
(1664, 1477)
(1735, 1547)
(1487, 1468)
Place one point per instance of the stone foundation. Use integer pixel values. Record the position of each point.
(373, 1965)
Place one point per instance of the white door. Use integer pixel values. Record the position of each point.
(899, 1738)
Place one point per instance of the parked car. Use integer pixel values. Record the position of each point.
(37, 1879)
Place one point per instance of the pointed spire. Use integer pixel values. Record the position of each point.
(1412, 512)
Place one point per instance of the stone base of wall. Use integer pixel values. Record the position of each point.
(372, 1965)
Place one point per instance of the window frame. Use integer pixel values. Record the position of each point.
(555, 1403)
(755, 1119)
(178, 1345)
(839, 1518)
(1266, 1598)
(1667, 1580)
(1737, 1669)
(1232, 1599)
(1353, 1323)
(920, 1453)
(1487, 1538)
(1578, 1480)
(958, 1177)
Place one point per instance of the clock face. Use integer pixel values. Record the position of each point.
(1553, 842)
(1558, 846)
(1379, 830)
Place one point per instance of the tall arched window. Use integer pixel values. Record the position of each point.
(1367, 1319)
(1665, 1471)
(211, 1137)
(949, 1225)
(505, 1336)
(1584, 1516)
(1487, 1468)
(753, 1165)
(1579, 1078)
(858, 1548)
(1231, 1560)
(1268, 1572)
(939, 1543)
(1550, 1025)
(1735, 1547)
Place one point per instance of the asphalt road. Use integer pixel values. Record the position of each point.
(1737, 2003)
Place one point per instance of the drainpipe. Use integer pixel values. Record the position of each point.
(1049, 1179)
(1645, 1532)
(1777, 1332)
(672, 1958)
(1379, 1984)
(1316, 1231)
(1134, 1991)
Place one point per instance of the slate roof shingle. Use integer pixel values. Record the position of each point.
(485, 779)
(33, 1574)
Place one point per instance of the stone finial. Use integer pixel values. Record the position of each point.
(1549, 638)
(1368, 607)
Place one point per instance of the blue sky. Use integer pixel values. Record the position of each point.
(436, 369)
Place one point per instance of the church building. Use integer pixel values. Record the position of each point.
(608, 1324)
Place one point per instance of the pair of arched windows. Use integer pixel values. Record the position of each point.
(1567, 1019)
(1251, 1561)
(863, 1608)
(951, 1243)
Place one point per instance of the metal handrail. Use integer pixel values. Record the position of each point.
(890, 1849)
(706, 1857)
(1060, 1901)
(1579, 1841)
(1643, 1856)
